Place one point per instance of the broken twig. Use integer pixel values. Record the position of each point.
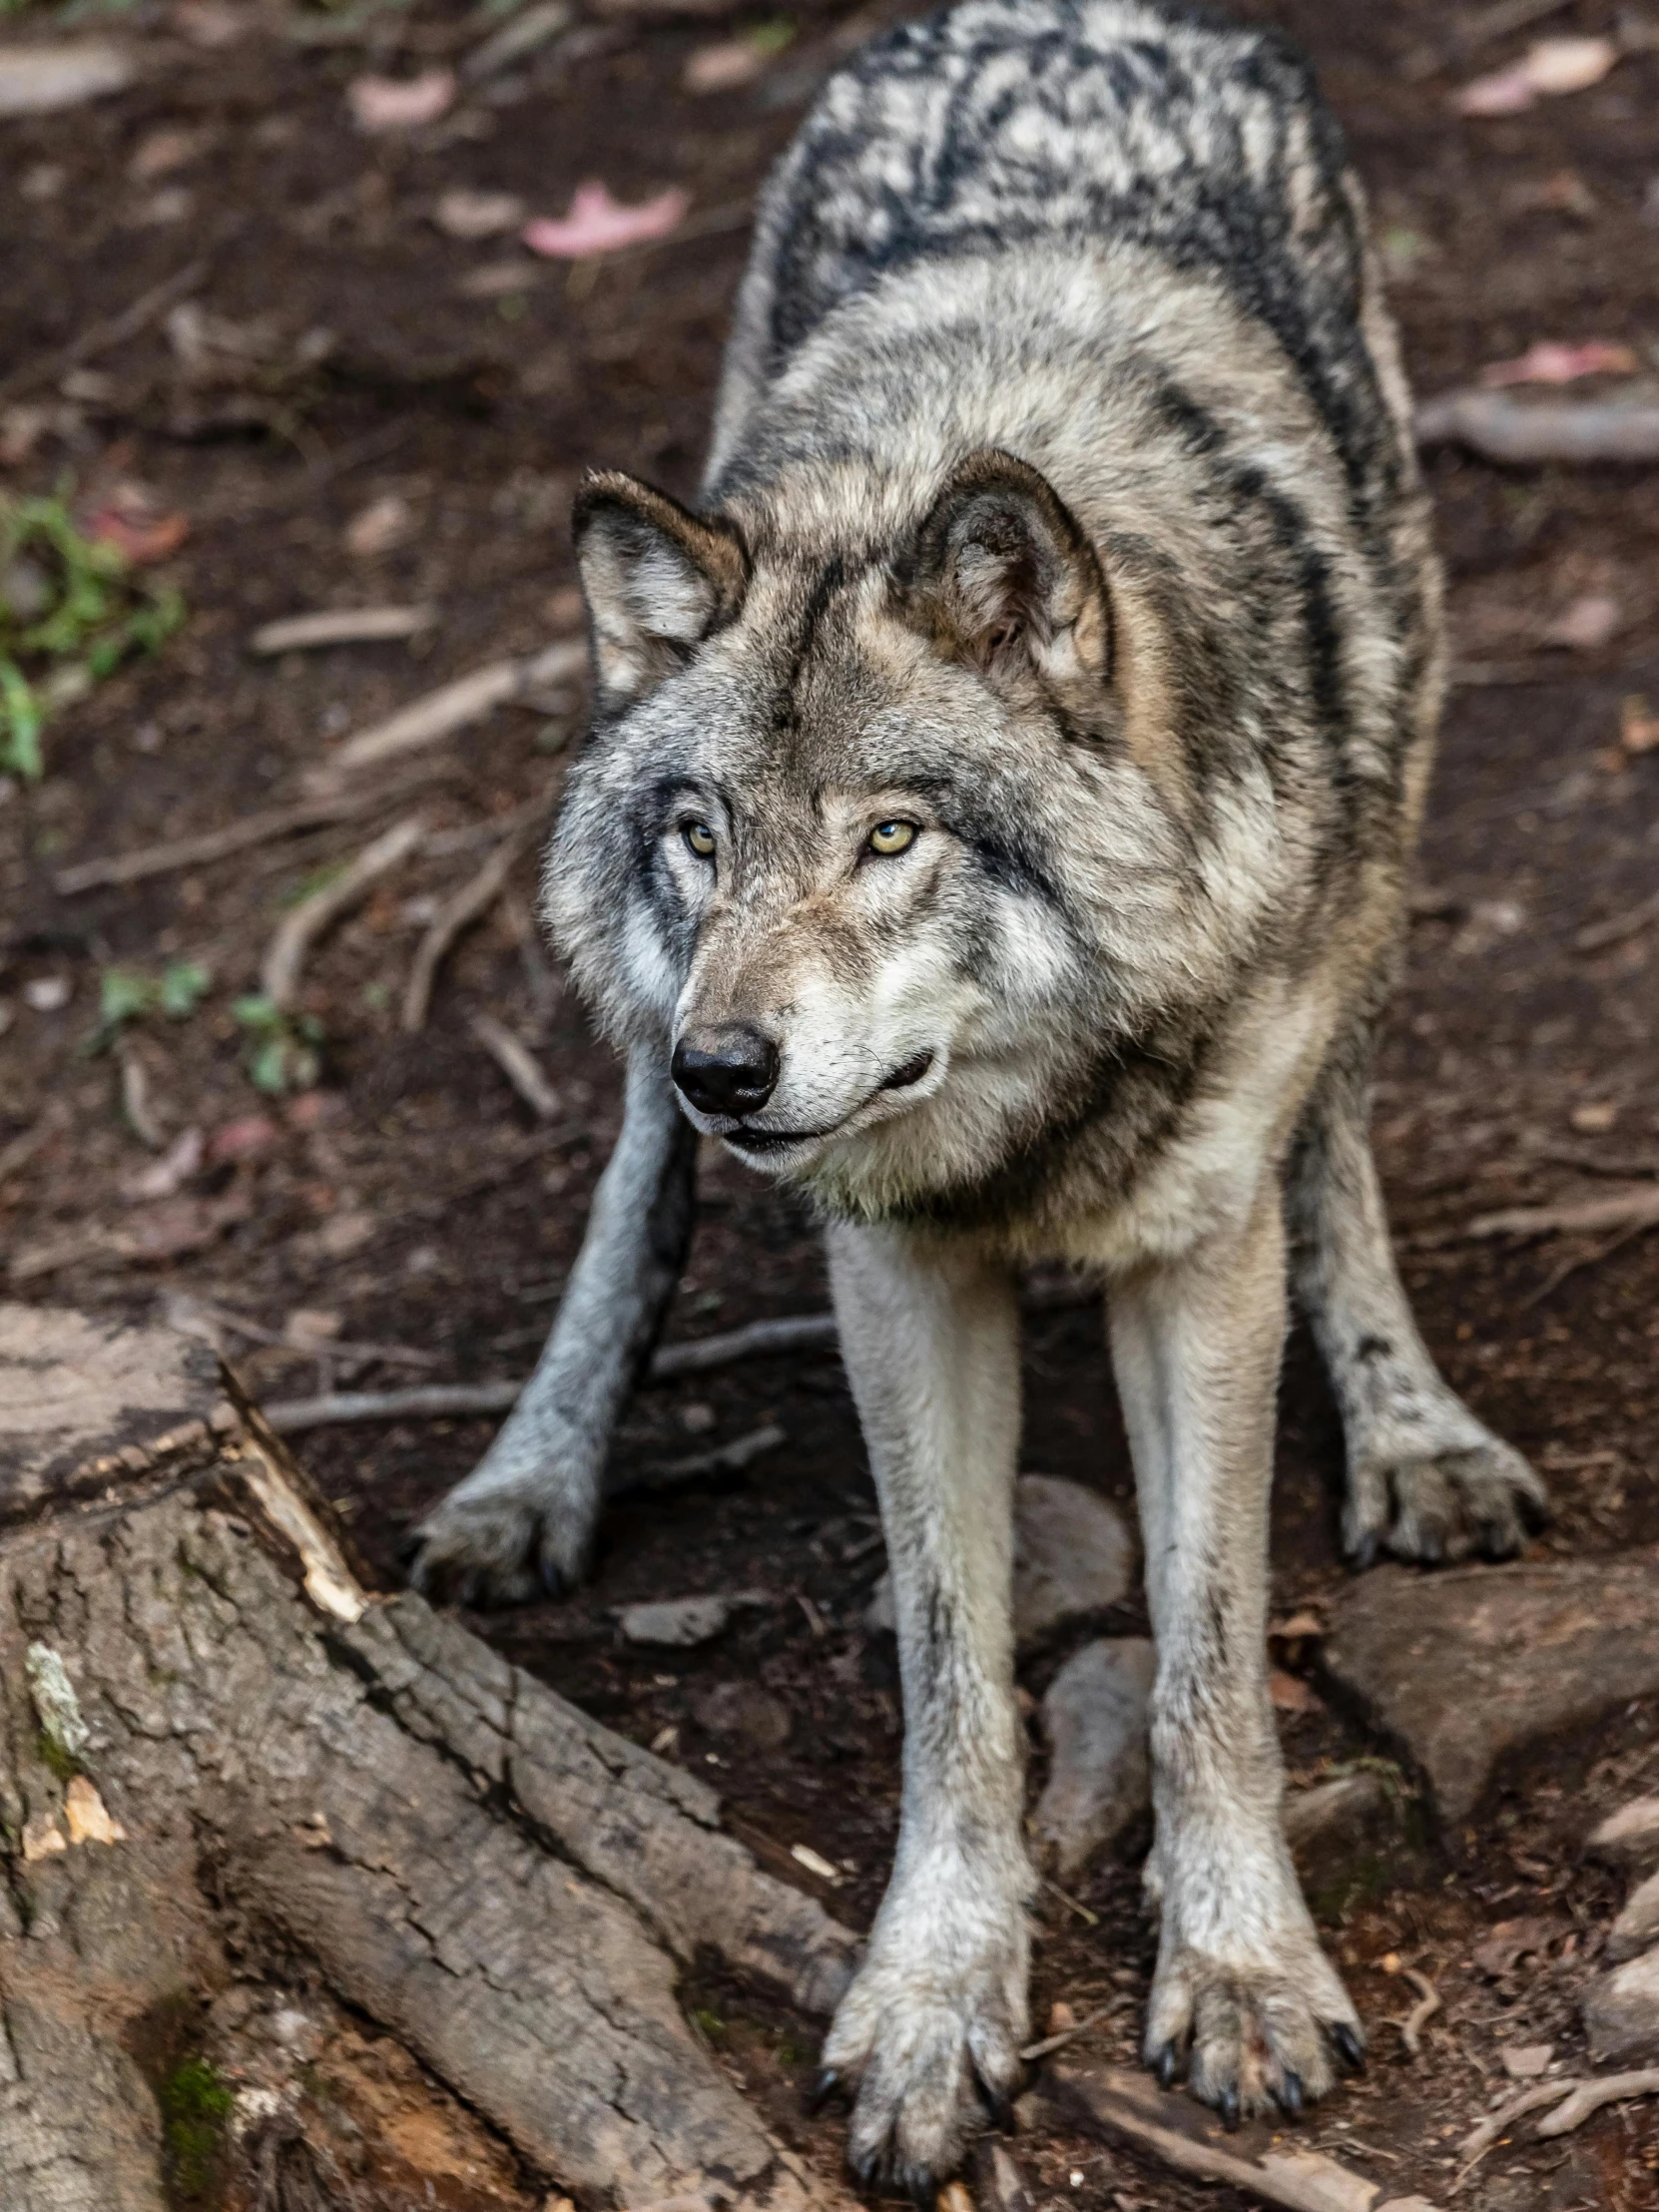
(300, 929)
(341, 625)
(469, 904)
(1590, 2096)
(218, 845)
(1617, 927)
(518, 1064)
(731, 1458)
(101, 337)
(1480, 2138)
(1051, 2044)
(1500, 428)
(452, 706)
(1415, 2022)
(1633, 1209)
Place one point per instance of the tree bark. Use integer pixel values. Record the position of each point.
(220, 1757)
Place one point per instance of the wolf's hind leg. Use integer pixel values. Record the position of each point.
(1426, 1479)
(523, 1520)
(931, 1345)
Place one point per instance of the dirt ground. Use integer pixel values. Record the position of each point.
(414, 1204)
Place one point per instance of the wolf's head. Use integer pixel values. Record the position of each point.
(861, 838)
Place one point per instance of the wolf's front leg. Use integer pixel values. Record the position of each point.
(930, 1336)
(1242, 1983)
(524, 1520)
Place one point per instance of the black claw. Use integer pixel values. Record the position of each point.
(999, 2110)
(1432, 1553)
(1164, 2067)
(1365, 1553)
(825, 2087)
(408, 1548)
(922, 2189)
(552, 1581)
(1349, 2047)
(1228, 2109)
(1290, 2096)
(1498, 1540)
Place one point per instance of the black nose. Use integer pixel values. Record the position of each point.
(730, 1069)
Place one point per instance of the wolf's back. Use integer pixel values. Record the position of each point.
(999, 122)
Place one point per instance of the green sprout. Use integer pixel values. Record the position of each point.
(128, 994)
(71, 610)
(196, 2104)
(281, 1048)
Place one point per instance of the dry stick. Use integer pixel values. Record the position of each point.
(452, 706)
(299, 929)
(1633, 1209)
(1559, 1275)
(731, 1458)
(134, 1098)
(1051, 2044)
(102, 337)
(1615, 930)
(1480, 2139)
(1592, 2096)
(341, 625)
(1499, 428)
(469, 904)
(1415, 2022)
(518, 1064)
(218, 845)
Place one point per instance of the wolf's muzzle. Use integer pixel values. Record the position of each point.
(729, 1069)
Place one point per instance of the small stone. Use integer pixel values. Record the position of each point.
(1094, 1717)
(1629, 1837)
(745, 1710)
(1621, 2014)
(1073, 1557)
(88, 1818)
(1465, 1667)
(1335, 1830)
(675, 1620)
(1637, 1927)
(1525, 2061)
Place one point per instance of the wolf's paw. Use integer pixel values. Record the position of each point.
(931, 2027)
(1256, 2034)
(501, 1544)
(1476, 1494)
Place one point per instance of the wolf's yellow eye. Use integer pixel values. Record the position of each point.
(892, 836)
(701, 839)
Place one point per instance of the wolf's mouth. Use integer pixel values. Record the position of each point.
(761, 1141)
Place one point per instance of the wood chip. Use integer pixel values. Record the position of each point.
(300, 929)
(341, 625)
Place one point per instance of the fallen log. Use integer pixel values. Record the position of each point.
(231, 1778)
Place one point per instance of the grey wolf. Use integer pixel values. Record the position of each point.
(995, 822)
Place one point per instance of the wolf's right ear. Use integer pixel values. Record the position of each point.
(656, 577)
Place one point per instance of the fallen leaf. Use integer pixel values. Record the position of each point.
(1552, 66)
(381, 527)
(1290, 1694)
(722, 67)
(597, 223)
(1562, 193)
(477, 215)
(1638, 725)
(380, 104)
(163, 1177)
(1586, 623)
(88, 1817)
(1550, 362)
(133, 520)
(243, 1139)
(181, 1225)
(1595, 1119)
(1502, 1950)
(310, 1329)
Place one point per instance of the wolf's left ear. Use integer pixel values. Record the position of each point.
(657, 579)
(1001, 575)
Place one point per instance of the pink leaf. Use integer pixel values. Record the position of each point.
(1549, 363)
(1552, 66)
(597, 223)
(400, 103)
